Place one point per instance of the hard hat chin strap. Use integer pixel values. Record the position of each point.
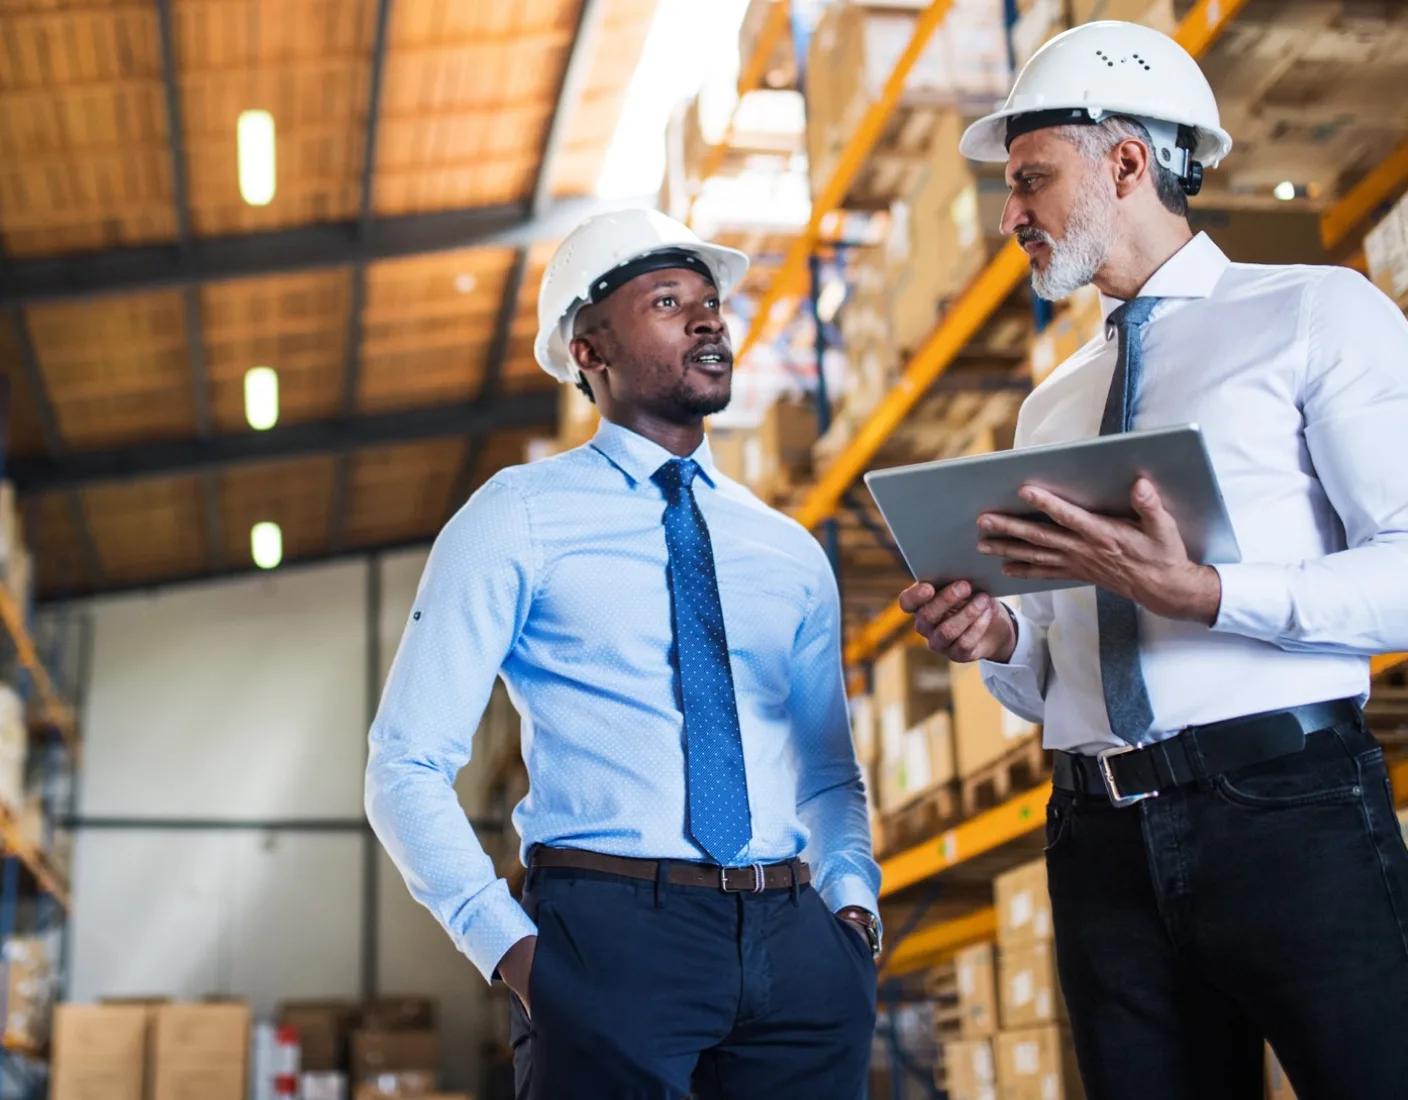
(1173, 143)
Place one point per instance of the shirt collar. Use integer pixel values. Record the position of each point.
(638, 458)
(1191, 272)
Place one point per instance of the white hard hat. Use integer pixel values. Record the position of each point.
(1108, 68)
(601, 245)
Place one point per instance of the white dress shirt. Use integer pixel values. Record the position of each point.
(1298, 377)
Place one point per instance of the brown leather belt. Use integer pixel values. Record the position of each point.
(753, 879)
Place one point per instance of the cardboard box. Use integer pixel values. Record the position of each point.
(395, 1086)
(322, 1086)
(983, 729)
(727, 449)
(11, 526)
(1262, 236)
(922, 760)
(976, 968)
(200, 1051)
(1277, 1086)
(323, 1028)
(970, 1072)
(577, 417)
(1386, 252)
(1042, 22)
(1023, 903)
(863, 730)
(379, 1053)
(1037, 1064)
(1159, 14)
(100, 1052)
(1030, 987)
(29, 984)
(908, 684)
(785, 439)
(406, 1012)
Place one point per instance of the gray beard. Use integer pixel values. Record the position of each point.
(1076, 257)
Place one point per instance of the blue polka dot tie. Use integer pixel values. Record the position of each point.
(1117, 618)
(717, 816)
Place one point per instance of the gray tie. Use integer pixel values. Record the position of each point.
(1126, 696)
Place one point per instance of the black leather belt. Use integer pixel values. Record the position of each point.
(753, 879)
(1127, 775)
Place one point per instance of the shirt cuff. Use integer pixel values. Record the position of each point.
(495, 923)
(842, 891)
(1021, 655)
(1256, 601)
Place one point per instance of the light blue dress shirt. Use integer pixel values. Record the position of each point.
(553, 575)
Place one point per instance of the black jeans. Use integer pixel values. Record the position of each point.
(642, 992)
(1270, 903)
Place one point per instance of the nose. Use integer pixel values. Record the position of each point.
(704, 321)
(1014, 216)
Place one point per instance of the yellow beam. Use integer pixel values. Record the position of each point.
(14, 844)
(1014, 818)
(780, 298)
(933, 945)
(1204, 23)
(1384, 182)
(1385, 661)
(52, 710)
(1398, 779)
(875, 634)
(749, 80)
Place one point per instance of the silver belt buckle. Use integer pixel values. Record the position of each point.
(754, 887)
(1108, 774)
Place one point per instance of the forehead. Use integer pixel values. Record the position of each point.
(681, 278)
(1039, 147)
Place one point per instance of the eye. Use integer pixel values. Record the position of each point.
(666, 300)
(712, 303)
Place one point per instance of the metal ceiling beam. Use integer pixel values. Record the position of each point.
(190, 294)
(574, 77)
(569, 91)
(292, 441)
(242, 569)
(53, 442)
(284, 251)
(493, 376)
(366, 230)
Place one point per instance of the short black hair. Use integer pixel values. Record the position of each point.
(581, 384)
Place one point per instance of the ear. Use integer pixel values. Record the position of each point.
(1131, 165)
(586, 354)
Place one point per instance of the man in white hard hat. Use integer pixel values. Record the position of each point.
(700, 899)
(1223, 857)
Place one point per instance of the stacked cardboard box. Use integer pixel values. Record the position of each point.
(29, 985)
(855, 48)
(1039, 22)
(1077, 320)
(1386, 250)
(780, 67)
(970, 1069)
(16, 562)
(872, 358)
(577, 417)
(1158, 14)
(984, 730)
(783, 449)
(395, 1050)
(911, 694)
(14, 744)
(323, 1029)
(1034, 1057)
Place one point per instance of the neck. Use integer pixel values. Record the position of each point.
(1134, 258)
(681, 440)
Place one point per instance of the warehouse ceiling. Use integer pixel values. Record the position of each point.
(428, 155)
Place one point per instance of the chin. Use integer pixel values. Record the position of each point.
(697, 402)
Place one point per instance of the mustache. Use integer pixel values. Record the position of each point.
(1029, 234)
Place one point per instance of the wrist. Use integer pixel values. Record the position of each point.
(1205, 601)
(1009, 646)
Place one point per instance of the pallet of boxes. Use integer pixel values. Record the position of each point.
(1033, 1054)
(967, 1069)
(998, 753)
(910, 744)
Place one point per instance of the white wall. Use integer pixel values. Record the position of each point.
(246, 700)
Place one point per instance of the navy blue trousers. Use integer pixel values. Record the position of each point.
(646, 992)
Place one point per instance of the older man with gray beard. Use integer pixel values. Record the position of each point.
(1224, 860)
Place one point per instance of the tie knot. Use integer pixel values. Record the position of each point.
(1133, 313)
(674, 474)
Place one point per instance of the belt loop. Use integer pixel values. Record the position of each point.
(662, 875)
(1188, 740)
(792, 866)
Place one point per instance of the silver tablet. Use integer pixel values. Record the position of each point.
(932, 508)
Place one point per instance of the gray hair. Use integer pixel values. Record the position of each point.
(1096, 141)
